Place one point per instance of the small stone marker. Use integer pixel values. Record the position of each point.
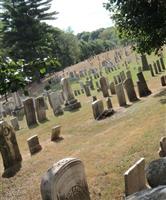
(129, 87)
(66, 180)
(162, 151)
(98, 108)
(142, 86)
(87, 90)
(155, 68)
(163, 80)
(120, 94)
(9, 150)
(29, 112)
(158, 65)
(109, 103)
(33, 144)
(55, 133)
(104, 86)
(15, 124)
(151, 70)
(112, 88)
(162, 63)
(40, 109)
(134, 178)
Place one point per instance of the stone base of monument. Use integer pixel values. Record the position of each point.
(72, 105)
(9, 172)
(105, 114)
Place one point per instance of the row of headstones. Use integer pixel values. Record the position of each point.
(66, 179)
(9, 148)
(157, 67)
(97, 106)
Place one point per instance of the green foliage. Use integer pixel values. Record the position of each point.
(141, 21)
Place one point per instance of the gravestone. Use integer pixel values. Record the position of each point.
(109, 103)
(128, 74)
(29, 110)
(158, 65)
(66, 180)
(129, 87)
(33, 144)
(162, 151)
(15, 124)
(87, 90)
(55, 133)
(120, 94)
(144, 61)
(123, 76)
(143, 89)
(155, 68)
(119, 78)
(97, 84)
(17, 100)
(151, 70)
(104, 86)
(112, 88)
(98, 108)
(115, 80)
(75, 93)
(71, 103)
(9, 150)
(162, 63)
(163, 80)
(40, 109)
(134, 178)
(56, 104)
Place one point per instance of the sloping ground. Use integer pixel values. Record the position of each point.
(107, 148)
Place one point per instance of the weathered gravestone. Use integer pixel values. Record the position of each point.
(158, 65)
(145, 65)
(71, 103)
(120, 94)
(143, 89)
(155, 68)
(87, 90)
(129, 87)
(115, 80)
(162, 150)
(123, 76)
(9, 150)
(151, 70)
(112, 88)
(56, 104)
(128, 74)
(162, 63)
(29, 110)
(163, 80)
(17, 100)
(98, 108)
(15, 124)
(55, 133)
(66, 180)
(40, 109)
(104, 86)
(33, 144)
(109, 103)
(134, 178)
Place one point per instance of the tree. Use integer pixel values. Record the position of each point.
(24, 36)
(142, 21)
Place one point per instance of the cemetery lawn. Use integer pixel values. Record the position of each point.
(107, 148)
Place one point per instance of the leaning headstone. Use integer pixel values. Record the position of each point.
(33, 144)
(162, 151)
(9, 150)
(112, 88)
(66, 180)
(120, 94)
(104, 86)
(56, 104)
(151, 70)
(40, 109)
(71, 103)
(158, 65)
(142, 86)
(55, 133)
(163, 80)
(134, 178)
(162, 63)
(129, 87)
(156, 172)
(98, 108)
(15, 124)
(29, 110)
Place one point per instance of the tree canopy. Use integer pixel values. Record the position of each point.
(142, 21)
